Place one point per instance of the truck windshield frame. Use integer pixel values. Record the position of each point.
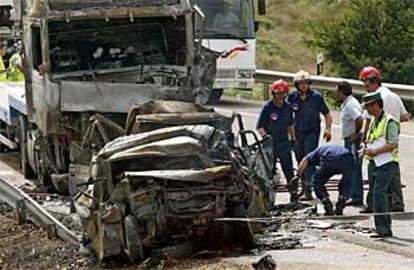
(227, 19)
(145, 41)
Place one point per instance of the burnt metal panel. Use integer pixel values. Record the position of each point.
(62, 5)
(101, 97)
(205, 175)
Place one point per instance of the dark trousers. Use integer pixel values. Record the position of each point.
(357, 189)
(305, 143)
(380, 179)
(281, 152)
(395, 195)
(327, 169)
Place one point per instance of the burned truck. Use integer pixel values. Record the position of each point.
(111, 117)
(101, 56)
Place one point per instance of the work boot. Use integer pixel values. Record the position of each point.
(328, 206)
(294, 198)
(366, 210)
(340, 205)
(307, 195)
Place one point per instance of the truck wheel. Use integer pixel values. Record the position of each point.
(24, 162)
(3, 148)
(215, 95)
(134, 248)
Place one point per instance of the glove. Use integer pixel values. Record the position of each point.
(327, 135)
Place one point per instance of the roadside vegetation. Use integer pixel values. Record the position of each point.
(351, 34)
(281, 37)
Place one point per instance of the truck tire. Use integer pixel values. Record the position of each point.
(134, 248)
(215, 95)
(24, 162)
(3, 148)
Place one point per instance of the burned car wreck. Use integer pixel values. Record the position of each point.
(177, 168)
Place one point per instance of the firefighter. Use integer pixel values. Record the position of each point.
(307, 106)
(276, 120)
(330, 160)
(16, 65)
(382, 153)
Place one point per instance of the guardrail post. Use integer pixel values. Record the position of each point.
(51, 231)
(266, 95)
(20, 212)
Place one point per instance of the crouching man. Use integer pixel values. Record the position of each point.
(329, 160)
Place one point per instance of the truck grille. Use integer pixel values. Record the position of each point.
(226, 73)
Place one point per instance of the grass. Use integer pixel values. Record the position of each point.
(280, 39)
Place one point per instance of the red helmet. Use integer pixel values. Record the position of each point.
(369, 72)
(280, 86)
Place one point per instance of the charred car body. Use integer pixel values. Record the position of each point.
(164, 183)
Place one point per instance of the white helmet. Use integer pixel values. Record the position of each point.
(301, 75)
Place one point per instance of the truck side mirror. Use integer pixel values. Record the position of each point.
(262, 7)
(256, 26)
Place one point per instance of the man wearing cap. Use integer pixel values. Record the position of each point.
(351, 122)
(307, 106)
(393, 105)
(330, 160)
(382, 153)
(276, 120)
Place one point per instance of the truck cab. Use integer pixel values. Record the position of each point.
(102, 56)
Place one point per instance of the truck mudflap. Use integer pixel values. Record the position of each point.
(166, 184)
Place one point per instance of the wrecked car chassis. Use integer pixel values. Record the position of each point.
(166, 185)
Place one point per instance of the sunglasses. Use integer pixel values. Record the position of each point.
(304, 82)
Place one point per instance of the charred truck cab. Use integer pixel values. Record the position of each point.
(102, 56)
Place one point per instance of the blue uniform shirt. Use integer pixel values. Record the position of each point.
(327, 153)
(275, 121)
(307, 112)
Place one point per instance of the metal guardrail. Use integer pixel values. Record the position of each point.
(406, 92)
(16, 198)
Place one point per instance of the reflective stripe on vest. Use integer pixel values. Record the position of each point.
(381, 131)
(15, 73)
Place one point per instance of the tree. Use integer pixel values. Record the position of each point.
(370, 33)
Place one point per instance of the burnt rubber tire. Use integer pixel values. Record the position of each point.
(24, 162)
(3, 148)
(134, 248)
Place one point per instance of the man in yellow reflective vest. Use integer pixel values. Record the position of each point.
(382, 153)
(16, 66)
